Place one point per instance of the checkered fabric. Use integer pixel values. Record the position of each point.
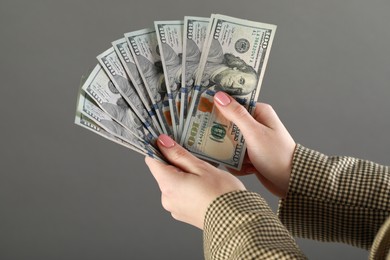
(241, 225)
(381, 246)
(338, 199)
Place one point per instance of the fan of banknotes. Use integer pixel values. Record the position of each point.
(161, 80)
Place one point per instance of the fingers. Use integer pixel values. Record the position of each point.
(180, 157)
(235, 112)
(165, 175)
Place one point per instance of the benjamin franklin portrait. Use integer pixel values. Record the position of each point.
(228, 73)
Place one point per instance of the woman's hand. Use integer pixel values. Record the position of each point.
(270, 147)
(189, 185)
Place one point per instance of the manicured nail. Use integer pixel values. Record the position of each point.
(166, 141)
(222, 98)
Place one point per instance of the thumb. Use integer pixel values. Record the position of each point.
(180, 157)
(236, 113)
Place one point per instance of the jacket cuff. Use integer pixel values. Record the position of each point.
(329, 197)
(241, 225)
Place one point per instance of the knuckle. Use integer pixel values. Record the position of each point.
(178, 154)
(267, 108)
(165, 203)
(175, 216)
(202, 167)
(264, 109)
(166, 190)
(240, 111)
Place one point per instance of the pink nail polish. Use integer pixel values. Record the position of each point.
(166, 141)
(222, 99)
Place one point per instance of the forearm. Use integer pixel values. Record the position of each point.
(340, 199)
(240, 225)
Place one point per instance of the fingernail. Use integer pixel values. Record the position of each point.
(222, 98)
(166, 141)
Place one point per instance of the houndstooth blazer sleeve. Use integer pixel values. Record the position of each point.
(330, 199)
(338, 199)
(241, 225)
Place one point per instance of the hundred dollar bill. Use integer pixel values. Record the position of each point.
(194, 35)
(112, 66)
(121, 48)
(170, 41)
(85, 122)
(88, 108)
(101, 89)
(236, 53)
(144, 47)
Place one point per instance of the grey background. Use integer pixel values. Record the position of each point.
(66, 193)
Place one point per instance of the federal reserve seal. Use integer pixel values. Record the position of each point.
(218, 132)
(242, 45)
